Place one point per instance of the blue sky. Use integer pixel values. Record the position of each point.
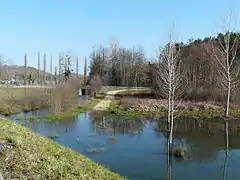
(54, 26)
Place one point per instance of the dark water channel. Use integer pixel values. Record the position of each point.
(137, 148)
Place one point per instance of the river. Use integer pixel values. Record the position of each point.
(137, 148)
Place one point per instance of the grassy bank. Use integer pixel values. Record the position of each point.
(118, 111)
(137, 107)
(80, 109)
(35, 157)
(17, 100)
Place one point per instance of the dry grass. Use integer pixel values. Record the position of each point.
(19, 93)
(36, 157)
(17, 100)
(141, 104)
(63, 98)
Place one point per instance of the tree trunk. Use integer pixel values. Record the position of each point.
(228, 97)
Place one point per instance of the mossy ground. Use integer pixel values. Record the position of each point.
(36, 157)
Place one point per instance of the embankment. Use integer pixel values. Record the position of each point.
(27, 155)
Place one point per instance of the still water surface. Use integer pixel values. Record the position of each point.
(137, 148)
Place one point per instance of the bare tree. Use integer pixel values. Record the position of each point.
(85, 71)
(168, 79)
(39, 69)
(77, 67)
(223, 51)
(25, 74)
(96, 84)
(44, 68)
(25, 67)
(60, 68)
(55, 75)
(4, 63)
(51, 69)
(1, 68)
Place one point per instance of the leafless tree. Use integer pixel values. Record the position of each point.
(25, 74)
(60, 59)
(85, 71)
(168, 77)
(51, 70)
(96, 84)
(44, 68)
(2, 63)
(77, 67)
(39, 69)
(224, 51)
(55, 75)
(25, 68)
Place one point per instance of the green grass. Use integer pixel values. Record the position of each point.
(81, 109)
(37, 157)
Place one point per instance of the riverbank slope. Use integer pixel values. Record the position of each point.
(26, 155)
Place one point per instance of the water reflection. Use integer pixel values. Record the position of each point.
(117, 125)
(139, 149)
(46, 128)
(169, 160)
(204, 138)
(225, 167)
(82, 99)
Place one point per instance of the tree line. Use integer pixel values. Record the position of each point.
(119, 66)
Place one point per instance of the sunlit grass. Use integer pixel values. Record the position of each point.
(37, 157)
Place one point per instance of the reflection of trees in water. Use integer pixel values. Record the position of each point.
(65, 125)
(123, 125)
(225, 166)
(207, 126)
(169, 159)
(203, 138)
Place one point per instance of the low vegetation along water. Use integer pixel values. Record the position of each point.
(136, 148)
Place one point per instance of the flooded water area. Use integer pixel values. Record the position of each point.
(137, 148)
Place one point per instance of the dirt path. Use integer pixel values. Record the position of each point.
(106, 102)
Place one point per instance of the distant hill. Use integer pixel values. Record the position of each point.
(18, 73)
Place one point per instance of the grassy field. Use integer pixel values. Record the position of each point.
(35, 157)
(17, 100)
(21, 92)
(18, 93)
